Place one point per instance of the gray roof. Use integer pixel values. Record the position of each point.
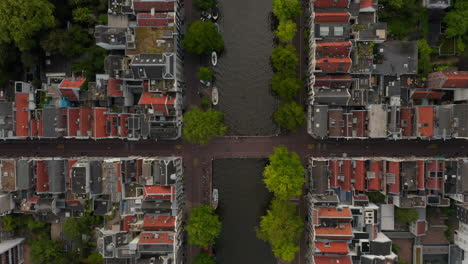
(460, 116)
(6, 203)
(24, 174)
(397, 57)
(331, 96)
(78, 178)
(112, 64)
(370, 33)
(54, 122)
(45, 206)
(319, 121)
(154, 66)
(101, 206)
(6, 120)
(162, 171)
(56, 172)
(110, 36)
(443, 121)
(319, 177)
(332, 31)
(96, 177)
(380, 248)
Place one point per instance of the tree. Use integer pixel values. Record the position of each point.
(92, 64)
(397, 4)
(202, 38)
(82, 14)
(286, 85)
(406, 216)
(203, 5)
(55, 41)
(282, 228)
(284, 58)
(9, 223)
(78, 41)
(73, 228)
(286, 9)
(286, 30)
(424, 61)
(20, 20)
(45, 251)
(203, 226)
(205, 74)
(290, 115)
(200, 126)
(204, 258)
(94, 258)
(284, 176)
(457, 24)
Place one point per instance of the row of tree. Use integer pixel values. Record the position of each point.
(285, 82)
(281, 227)
(203, 229)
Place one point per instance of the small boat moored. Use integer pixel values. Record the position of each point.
(215, 198)
(214, 58)
(214, 96)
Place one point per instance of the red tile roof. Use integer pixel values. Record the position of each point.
(335, 17)
(158, 20)
(36, 128)
(406, 116)
(332, 247)
(425, 121)
(333, 81)
(113, 121)
(333, 49)
(22, 114)
(376, 168)
(127, 220)
(359, 175)
(332, 260)
(331, 3)
(346, 169)
(450, 80)
(394, 168)
(158, 102)
(123, 125)
(335, 116)
(42, 181)
(334, 168)
(359, 123)
(427, 94)
(85, 121)
(434, 183)
(156, 238)
(113, 87)
(158, 192)
(333, 212)
(435, 165)
(158, 5)
(421, 177)
(99, 122)
(334, 64)
(367, 4)
(342, 231)
(73, 124)
(421, 227)
(72, 82)
(33, 199)
(71, 94)
(159, 222)
(348, 125)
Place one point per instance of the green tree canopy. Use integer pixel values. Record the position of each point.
(406, 216)
(82, 14)
(284, 58)
(205, 74)
(203, 226)
(286, 9)
(204, 258)
(290, 115)
(457, 22)
(424, 60)
(284, 176)
(203, 38)
(20, 20)
(204, 4)
(286, 30)
(55, 41)
(94, 258)
(286, 85)
(282, 228)
(200, 126)
(72, 228)
(9, 223)
(46, 251)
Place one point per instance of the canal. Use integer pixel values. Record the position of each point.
(243, 73)
(243, 198)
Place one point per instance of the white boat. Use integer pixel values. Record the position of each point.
(214, 96)
(214, 58)
(214, 198)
